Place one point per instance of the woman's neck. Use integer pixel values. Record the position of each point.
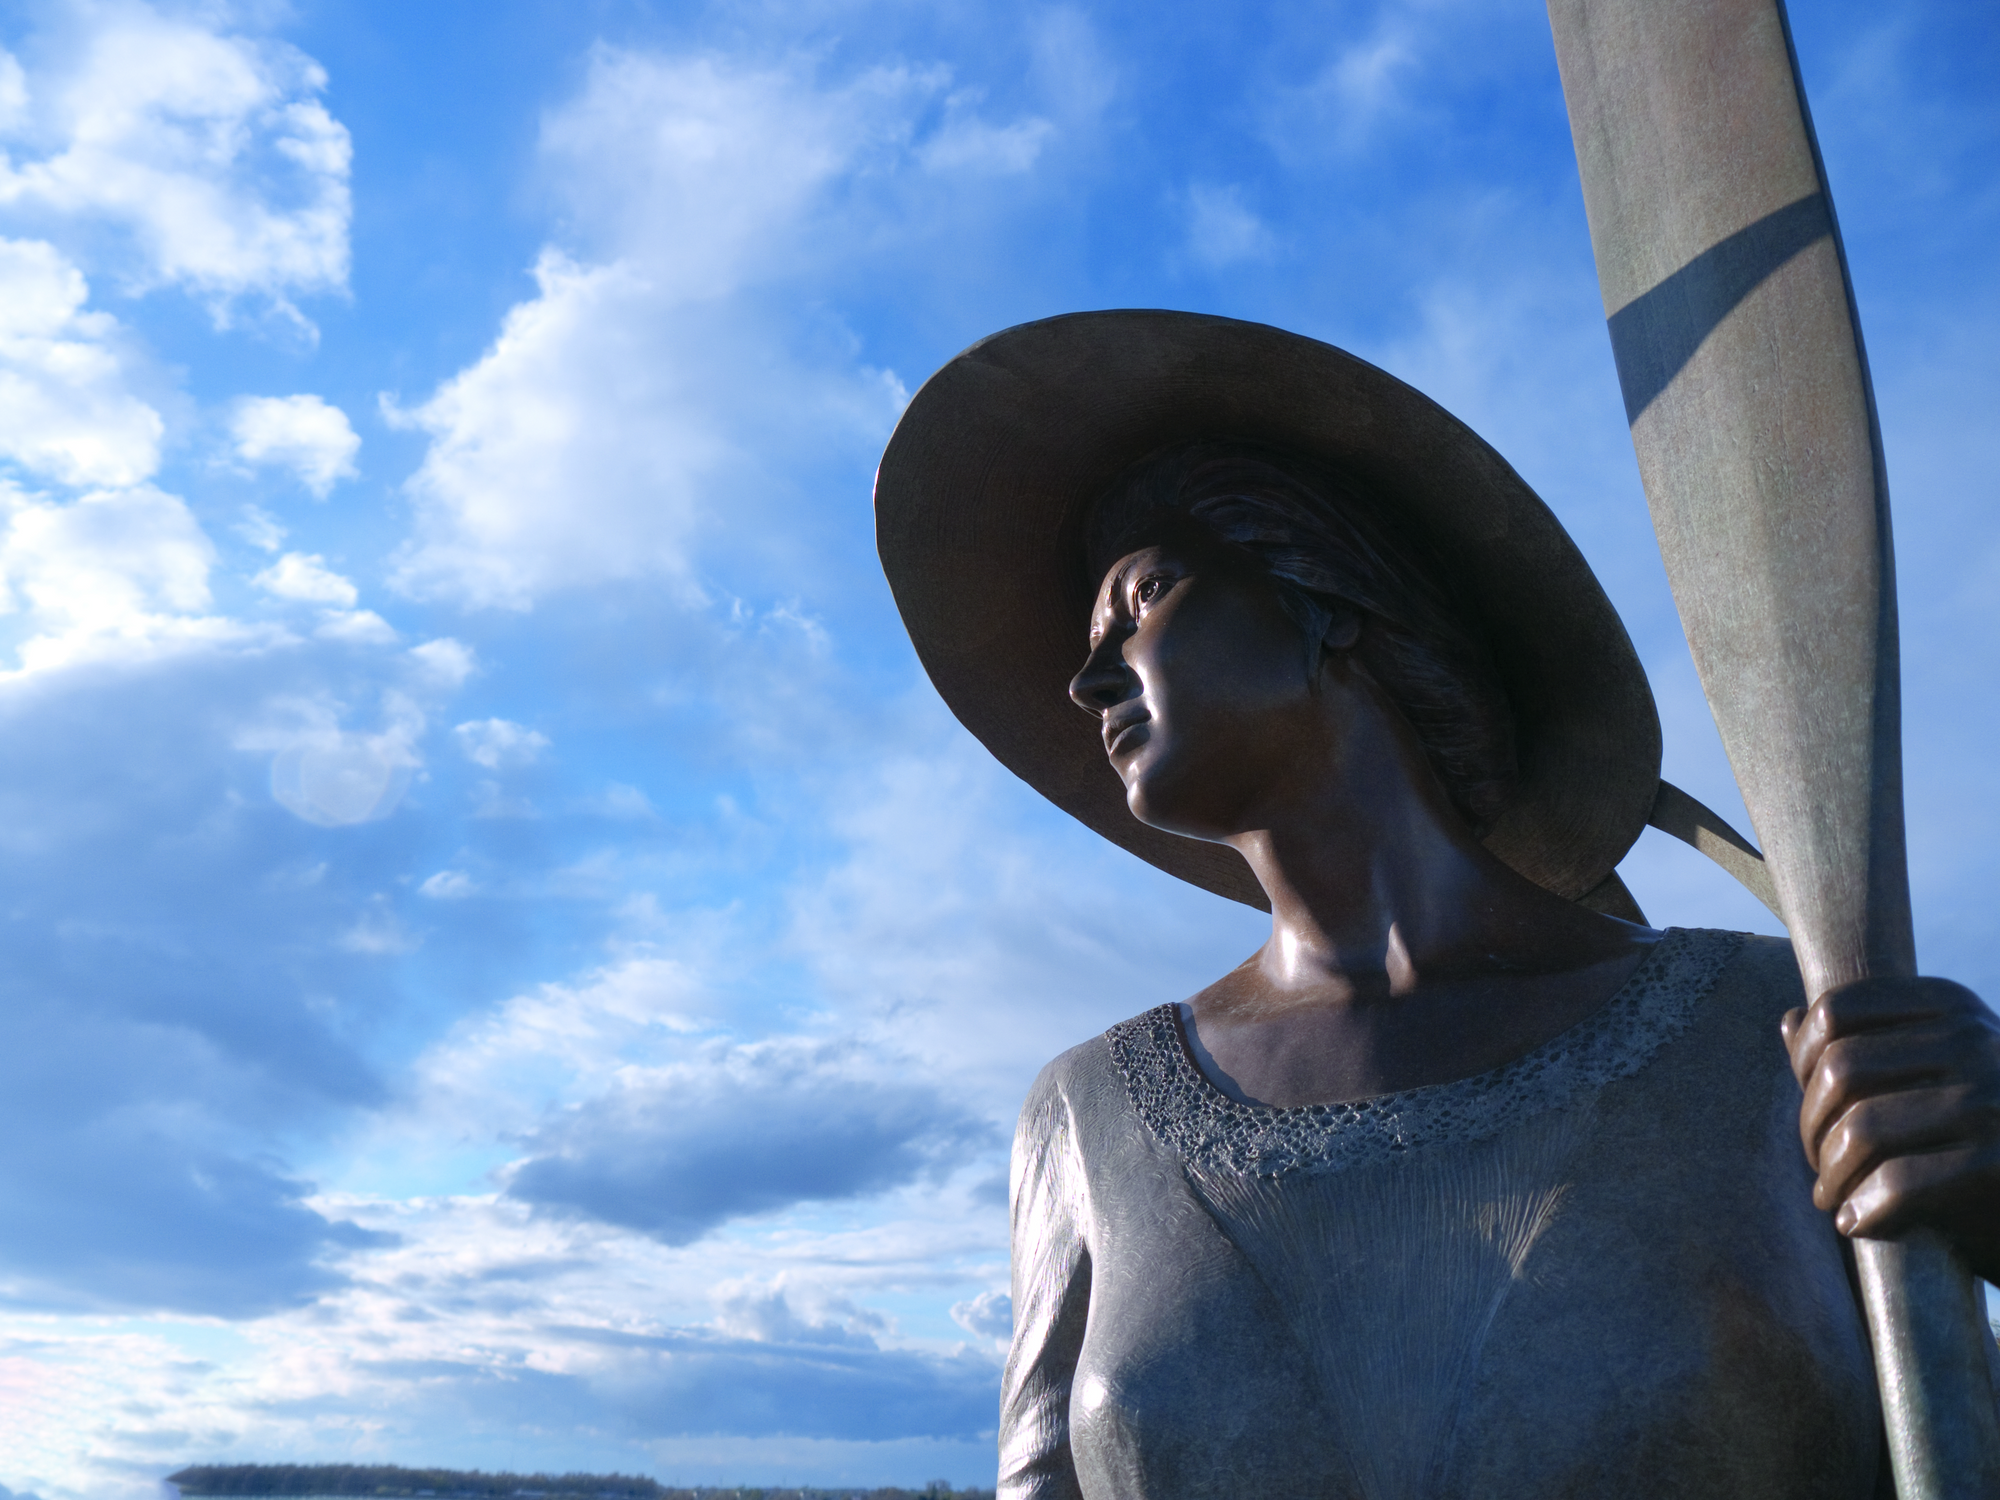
(1378, 888)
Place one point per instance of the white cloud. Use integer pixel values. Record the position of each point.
(1363, 76)
(990, 1315)
(646, 391)
(379, 932)
(1361, 88)
(448, 885)
(622, 801)
(601, 1348)
(770, 1313)
(65, 412)
(499, 743)
(300, 433)
(985, 931)
(116, 573)
(13, 91)
(1222, 229)
(212, 153)
(571, 453)
(443, 662)
(306, 578)
(697, 166)
(966, 143)
(496, 1072)
(260, 529)
(1076, 74)
(357, 627)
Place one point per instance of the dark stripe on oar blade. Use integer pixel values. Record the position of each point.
(1655, 334)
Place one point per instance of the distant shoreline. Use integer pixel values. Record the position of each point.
(392, 1482)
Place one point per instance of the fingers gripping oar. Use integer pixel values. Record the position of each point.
(1746, 385)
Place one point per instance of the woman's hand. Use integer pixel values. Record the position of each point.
(1902, 1111)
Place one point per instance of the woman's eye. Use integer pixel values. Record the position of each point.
(1149, 589)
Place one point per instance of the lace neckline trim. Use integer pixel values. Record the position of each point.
(1211, 1130)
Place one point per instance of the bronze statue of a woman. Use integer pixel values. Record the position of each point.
(1467, 1182)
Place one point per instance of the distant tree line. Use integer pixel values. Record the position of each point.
(387, 1482)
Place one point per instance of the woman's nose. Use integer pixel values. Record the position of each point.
(1105, 679)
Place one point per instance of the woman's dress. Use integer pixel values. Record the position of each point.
(1595, 1271)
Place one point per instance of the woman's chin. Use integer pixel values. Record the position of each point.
(1171, 814)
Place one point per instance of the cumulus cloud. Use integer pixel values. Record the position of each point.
(66, 413)
(535, 469)
(594, 443)
(500, 1072)
(121, 570)
(677, 1151)
(990, 1315)
(766, 1313)
(158, 150)
(444, 662)
(358, 627)
(300, 433)
(499, 744)
(653, 386)
(306, 578)
(208, 154)
(115, 574)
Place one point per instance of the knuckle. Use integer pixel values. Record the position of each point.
(1840, 1067)
(1832, 1009)
(1898, 1178)
(1842, 1142)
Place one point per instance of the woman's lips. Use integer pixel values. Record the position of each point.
(1127, 735)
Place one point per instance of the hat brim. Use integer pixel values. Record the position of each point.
(980, 506)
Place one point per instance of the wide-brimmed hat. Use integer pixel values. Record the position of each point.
(980, 511)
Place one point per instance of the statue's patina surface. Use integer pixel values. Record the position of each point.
(1504, 1286)
(1459, 1185)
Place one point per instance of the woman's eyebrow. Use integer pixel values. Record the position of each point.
(1121, 578)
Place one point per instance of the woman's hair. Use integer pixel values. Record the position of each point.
(1324, 544)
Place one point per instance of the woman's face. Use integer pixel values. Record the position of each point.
(1201, 683)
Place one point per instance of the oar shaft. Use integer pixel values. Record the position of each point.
(1920, 1302)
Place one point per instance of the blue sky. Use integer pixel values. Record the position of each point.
(509, 964)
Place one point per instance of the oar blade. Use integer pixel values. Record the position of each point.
(1747, 389)
(1748, 395)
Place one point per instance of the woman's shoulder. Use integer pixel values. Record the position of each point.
(1079, 1071)
(1084, 1084)
(1761, 978)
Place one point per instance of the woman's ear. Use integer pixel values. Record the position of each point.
(1343, 630)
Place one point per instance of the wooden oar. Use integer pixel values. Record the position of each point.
(1733, 324)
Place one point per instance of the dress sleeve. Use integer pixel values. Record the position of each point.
(1051, 1301)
